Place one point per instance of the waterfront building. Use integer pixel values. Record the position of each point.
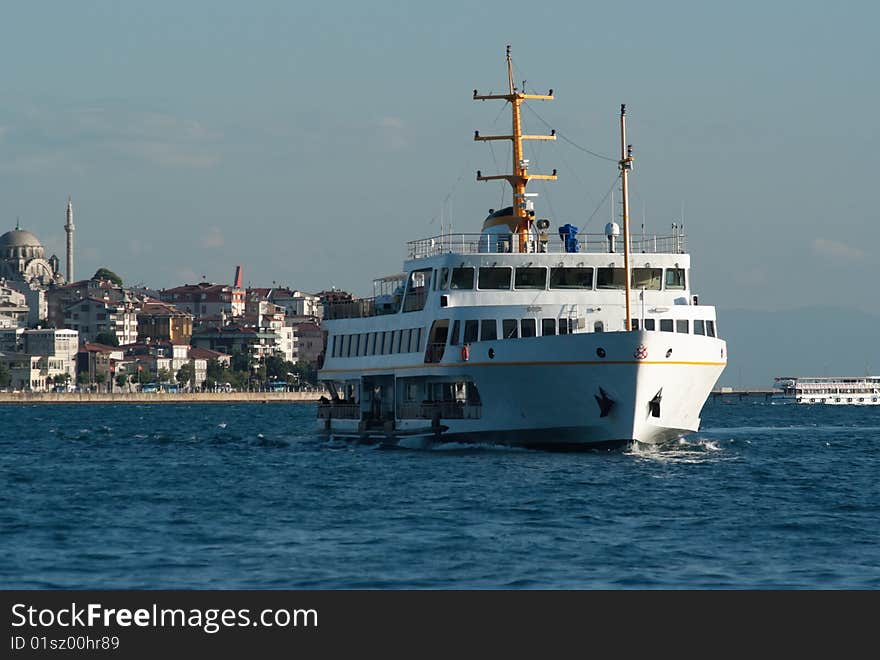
(58, 298)
(207, 300)
(93, 316)
(13, 307)
(57, 346)
(308, 343)
(100, 362)
(158, 321)
(257, 343)
(26, 371)
(39, 356)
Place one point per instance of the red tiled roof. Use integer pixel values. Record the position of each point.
(94, 347)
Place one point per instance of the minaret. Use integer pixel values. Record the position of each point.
(68, 227)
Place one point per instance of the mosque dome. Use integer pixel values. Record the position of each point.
(20, 244)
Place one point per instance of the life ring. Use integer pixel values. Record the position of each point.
(465, 352)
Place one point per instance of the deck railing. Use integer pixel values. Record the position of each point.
(511, 243)
(334, 410)
(446, 410)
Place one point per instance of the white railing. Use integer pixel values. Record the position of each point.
(512, 243)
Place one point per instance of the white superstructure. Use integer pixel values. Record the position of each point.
(833, 390)
(526, 335)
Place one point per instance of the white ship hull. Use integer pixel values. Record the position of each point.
(546, 392)
(863, 399)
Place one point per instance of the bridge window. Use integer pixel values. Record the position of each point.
(417, 290)
(699, 327)
(371, 344)
(681, 325)
(528, 328)
(494, 278)
(510, 328)
(444, 279)
(647, 278)
(665, 325)
(675, 278)
(488, 330)
(531, 278)
(610, 278)
(470, 331)
(650, 324)
(404, 340)
(710, 328)
(571, 278)
(548, 327)
(462, 278)
(396, 341)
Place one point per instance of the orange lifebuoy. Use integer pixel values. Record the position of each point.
(465, 352)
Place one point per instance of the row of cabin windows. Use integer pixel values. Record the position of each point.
(471, 331)
(499, 278)
(700, 327)
(377, 343)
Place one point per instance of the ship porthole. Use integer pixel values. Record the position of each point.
(600, 352)
(491, 353)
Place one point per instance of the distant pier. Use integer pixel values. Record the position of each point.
(738, 394)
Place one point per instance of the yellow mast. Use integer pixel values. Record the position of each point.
(626, 160)
(520, 176)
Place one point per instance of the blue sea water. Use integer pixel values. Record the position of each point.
(250, 496)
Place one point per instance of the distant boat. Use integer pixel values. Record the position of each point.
(830, 390)
(517, 337)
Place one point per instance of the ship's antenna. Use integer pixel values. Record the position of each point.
(626, 161)
(520, 175)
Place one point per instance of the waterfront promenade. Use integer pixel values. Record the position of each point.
(157, 397)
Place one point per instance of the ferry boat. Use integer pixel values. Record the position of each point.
(833, 391)
(524, 333)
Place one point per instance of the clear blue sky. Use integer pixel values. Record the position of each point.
(308, 143)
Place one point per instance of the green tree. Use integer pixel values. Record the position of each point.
(5, 375)
(100, 378)
(242, 361)
(187, 374)
(62, 380)
(306, 372)
(121, 380)
(164, 375)
(107, 274)
(107, 338)
(82, 378)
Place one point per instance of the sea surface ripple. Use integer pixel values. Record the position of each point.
(250, 496)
